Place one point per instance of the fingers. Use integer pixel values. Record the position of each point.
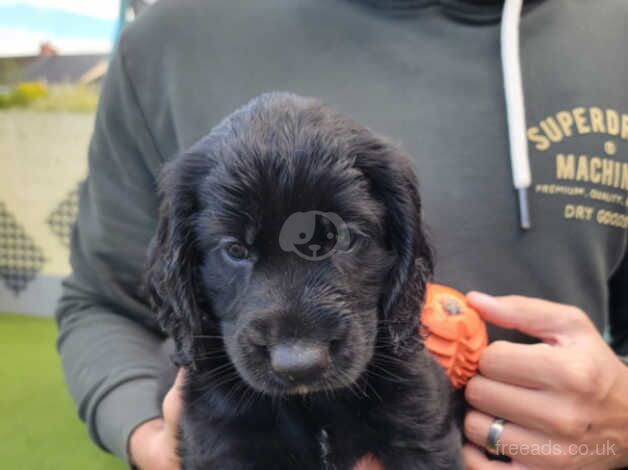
(549, 321)
(533, 409)
(476, 427)
(541, 366)
(527, 448)
(171, 406)
(526, 365)
(475, 459)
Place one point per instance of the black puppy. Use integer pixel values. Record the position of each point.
(289, 266)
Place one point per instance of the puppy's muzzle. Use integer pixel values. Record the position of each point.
(299, 345)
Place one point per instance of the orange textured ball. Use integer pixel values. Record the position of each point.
(455, 333)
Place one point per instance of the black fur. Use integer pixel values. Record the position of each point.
(382, 392)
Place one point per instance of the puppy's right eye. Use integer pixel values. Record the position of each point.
(237, 251)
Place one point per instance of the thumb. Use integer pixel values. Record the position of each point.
(548, 321)
(171, 406)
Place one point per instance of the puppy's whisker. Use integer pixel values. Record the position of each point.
(386, 374)
(212, 355)
(254, 397)
(328, 390)
(240, 400)
(208, 336)
(213, 376)
(351, 385)
(223, 380)
(234, 390)
(218, 380)
(217, 369)
(378, 376)
(368, 385)
(201, 398)
(382, 358)
(401, 347)
(210, 352)
(387, 362)
(249, 398)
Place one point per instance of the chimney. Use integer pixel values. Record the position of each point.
(46, 49)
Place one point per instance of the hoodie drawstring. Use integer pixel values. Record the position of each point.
(515, 106)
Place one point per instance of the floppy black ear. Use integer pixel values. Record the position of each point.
(394, 183)
(172, 270)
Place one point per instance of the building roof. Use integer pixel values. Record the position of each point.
(61, 68)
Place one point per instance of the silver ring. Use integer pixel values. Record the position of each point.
(494, 433)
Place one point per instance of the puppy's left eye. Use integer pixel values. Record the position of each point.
(348, 242)
(237, 251)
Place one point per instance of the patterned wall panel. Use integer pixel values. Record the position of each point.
(62, 218)
(43, 158)
(20, 258)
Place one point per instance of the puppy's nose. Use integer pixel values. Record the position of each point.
(299, 361)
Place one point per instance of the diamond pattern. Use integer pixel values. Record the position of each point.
(62, 218)
(20, 258)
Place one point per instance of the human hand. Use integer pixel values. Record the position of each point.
(368, 463)
(565, 399)
(152, 445)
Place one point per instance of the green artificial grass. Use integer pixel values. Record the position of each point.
(39, 427)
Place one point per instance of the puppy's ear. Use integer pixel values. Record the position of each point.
(394, 183)
(172, 271)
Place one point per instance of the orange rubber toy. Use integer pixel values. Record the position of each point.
(455, 333)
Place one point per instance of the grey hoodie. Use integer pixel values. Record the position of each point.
(428, 74)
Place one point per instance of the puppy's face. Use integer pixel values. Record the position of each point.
(295, 276)
(292, 234)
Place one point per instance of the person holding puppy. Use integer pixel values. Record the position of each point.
(552, 392)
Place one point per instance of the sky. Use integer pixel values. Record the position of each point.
(72, 26)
